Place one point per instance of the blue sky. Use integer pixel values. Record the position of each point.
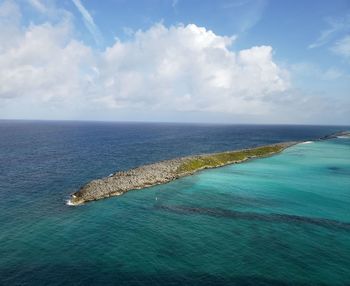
(233, 61)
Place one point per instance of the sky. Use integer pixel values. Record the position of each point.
(225, 61)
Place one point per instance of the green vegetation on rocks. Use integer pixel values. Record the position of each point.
(220, 159)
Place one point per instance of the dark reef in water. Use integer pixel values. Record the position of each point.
(266, 217)
(335, 135)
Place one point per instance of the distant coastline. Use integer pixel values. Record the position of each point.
(165, 171)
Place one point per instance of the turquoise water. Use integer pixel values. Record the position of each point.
(283, 220)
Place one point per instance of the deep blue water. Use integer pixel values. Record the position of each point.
(282, 220)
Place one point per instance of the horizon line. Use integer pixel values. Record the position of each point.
(168, 122)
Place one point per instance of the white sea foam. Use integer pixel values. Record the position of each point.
(343, 137)
(307, 142)
(69, 203)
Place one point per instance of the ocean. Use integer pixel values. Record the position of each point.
(282, 220)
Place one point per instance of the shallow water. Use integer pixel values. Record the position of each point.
(283, 220)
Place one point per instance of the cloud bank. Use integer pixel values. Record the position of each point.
(177, 69)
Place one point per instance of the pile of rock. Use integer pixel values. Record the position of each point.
(121, 182)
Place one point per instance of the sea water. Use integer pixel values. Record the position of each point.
(282, 220)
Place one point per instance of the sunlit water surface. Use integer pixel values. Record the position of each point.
(283, 220)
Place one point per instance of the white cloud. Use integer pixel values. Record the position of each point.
(10, 19)
(89, 21)
(37, 4)
(181, 68)
(312, 72)
(41, 62)
(188, 68)
(162, 70)
(342, 47)
(335, 26)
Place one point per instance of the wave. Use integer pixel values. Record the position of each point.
(307, 142)
(69, 203)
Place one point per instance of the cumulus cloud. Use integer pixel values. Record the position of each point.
(188, 68)
(182, 72)
(40, 62)
(180, 68)
(161, 73)
(10, 19)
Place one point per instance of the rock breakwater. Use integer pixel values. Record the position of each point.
(166, 171)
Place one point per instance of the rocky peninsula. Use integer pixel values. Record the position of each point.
(166, 171)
